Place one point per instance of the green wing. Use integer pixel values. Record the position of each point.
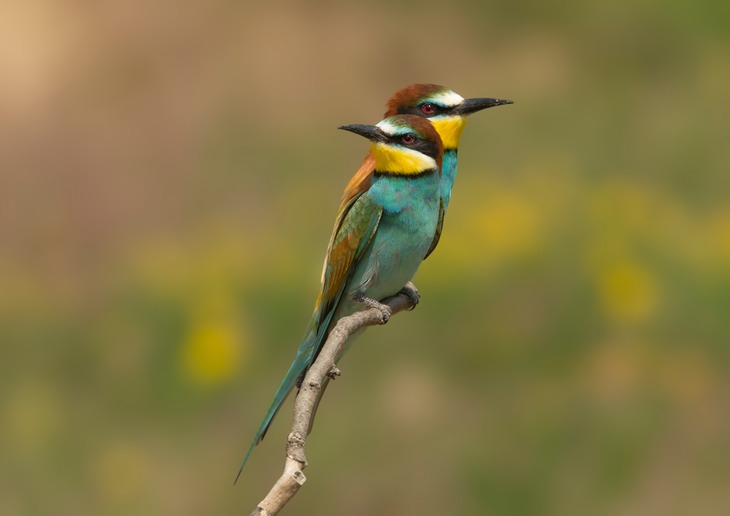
(355, 228)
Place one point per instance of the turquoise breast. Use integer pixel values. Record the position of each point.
(404, 235)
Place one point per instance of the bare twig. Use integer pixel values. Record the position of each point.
(307, 400)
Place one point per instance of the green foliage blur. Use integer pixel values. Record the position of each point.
(169, 175)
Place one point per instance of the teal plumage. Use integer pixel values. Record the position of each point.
(381, 236)
(410, 209)
(448, 175)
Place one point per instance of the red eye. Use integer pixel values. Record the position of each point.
(428, 109)
(408, 139)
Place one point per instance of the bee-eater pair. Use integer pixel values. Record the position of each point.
(390, 218)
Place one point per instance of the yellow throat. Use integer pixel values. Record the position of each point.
(399, 160)
(450, 129)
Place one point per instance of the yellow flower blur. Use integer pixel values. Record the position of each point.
(211, 354)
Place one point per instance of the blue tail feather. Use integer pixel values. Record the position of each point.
(306, 354)
(301, 362)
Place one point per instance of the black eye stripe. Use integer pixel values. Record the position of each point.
(418, 110)
(426, 147)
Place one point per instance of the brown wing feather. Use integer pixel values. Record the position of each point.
(356, 225)
(359, 183)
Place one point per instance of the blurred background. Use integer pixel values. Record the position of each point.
(169, 175)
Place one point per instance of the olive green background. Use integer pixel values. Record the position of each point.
(169, 175)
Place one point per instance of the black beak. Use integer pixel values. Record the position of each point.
(470, 106)
(371, 132)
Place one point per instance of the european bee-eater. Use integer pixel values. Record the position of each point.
(447, 111)
(380, 238)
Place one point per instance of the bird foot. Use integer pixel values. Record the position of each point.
(411, 292)
(372, 303)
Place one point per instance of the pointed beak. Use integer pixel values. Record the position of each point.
(470, 106)
(371, 132)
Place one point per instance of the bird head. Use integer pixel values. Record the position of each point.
(446, 109)
(402, 144)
